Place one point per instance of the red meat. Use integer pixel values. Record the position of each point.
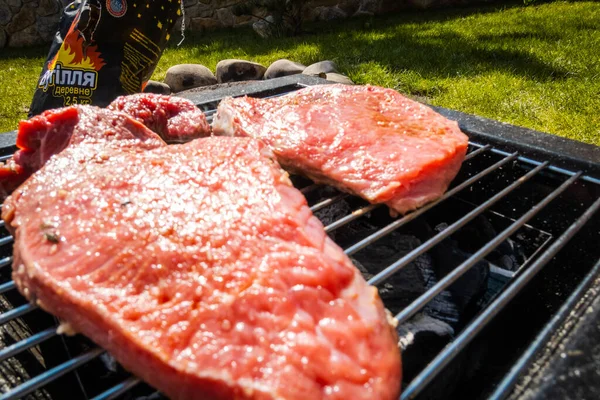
(44, 135)
(366, 140)
(175, 119)
(203, 271)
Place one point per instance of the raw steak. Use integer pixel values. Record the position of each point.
(203, 271)
(366, 140)
(175, 119)
(44, 135)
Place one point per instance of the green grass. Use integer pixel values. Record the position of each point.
(535, 66)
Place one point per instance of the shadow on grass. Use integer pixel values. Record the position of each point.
(415, 41)
(27, 53)
(412, 41)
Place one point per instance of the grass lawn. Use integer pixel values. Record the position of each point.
(535, 66)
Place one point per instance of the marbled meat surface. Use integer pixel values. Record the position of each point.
(366, 140)
(176, 120)
(202, 270)
(44, 135)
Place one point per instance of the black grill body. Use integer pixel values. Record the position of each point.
(534, 192)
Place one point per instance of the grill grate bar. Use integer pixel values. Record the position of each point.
(50, 375)
(27, 343)
(6, 240)
(6, 261)
(6, 157)
(456, 273)
(309, 188)
(407, 218)
(389, 271)
(118, 389)
(448, 354)
(545, 335)
(5, 287)
(1, 222)
(16, 313)
(328, 202)
(350, 217)
(535, 163)
(477, 152)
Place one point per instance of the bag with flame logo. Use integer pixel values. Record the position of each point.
(104, 49)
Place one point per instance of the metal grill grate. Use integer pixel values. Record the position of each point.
(489, 174)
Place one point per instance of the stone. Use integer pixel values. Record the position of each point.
(320, 67)
(157, 87)
(242, 20)
(197, 12)
(47, 26)
(239, 70)
(189, 4)
(187, 20)
(205, 24)
(423, 4)
(26, 37)
(326, 3)
(187, 76)
(48, 7)
(226, 17)
(388, 6)
(360, 13)
(371, 6)
(5, 13)
(14, 3)
(349, 6)
(3, 38)
(23, 19)
(338, 78)
(283, 67)
(222, 3)
(199, 9)
(263, 27)
(329, 13)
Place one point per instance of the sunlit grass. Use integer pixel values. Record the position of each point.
(535, 66)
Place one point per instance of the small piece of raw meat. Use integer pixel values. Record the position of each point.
(202, 270)
(176, 120)
(366, 140)
(44, 135)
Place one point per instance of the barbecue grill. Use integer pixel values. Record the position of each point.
(525, 333)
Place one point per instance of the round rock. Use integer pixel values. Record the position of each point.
(338, 78)
(371, 6)
(26, 37)
(329, 13)
(322, 67)
(187, 76)
(349, 6)
(284, 67)
(263, 27)
(157, 87)
(239, 70)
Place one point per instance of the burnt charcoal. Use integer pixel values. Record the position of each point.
(420, 340)
(508, 255)
(410, 282)
(153, 396)
(109, 362)
(404, 286)
(469, 288)
(329, 215)
(441, 306)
